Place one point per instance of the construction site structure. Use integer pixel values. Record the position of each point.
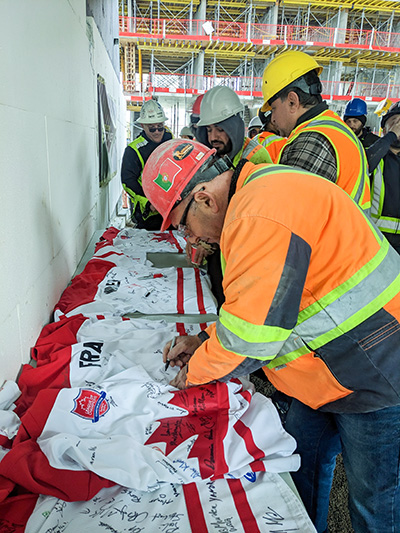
(184, 48)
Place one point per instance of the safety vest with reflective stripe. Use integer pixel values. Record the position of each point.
(272, 143)
(140, 204)
(351, 161)
(319, 311)
(384, 223)
(252, 151)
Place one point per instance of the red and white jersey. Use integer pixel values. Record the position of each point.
(80, 351)
(262, 503)
(138, 433)
(112, 285)
(143, 240)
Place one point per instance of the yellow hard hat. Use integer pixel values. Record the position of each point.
(383, 106)
(284, 70)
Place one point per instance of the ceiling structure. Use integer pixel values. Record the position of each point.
(168, 37)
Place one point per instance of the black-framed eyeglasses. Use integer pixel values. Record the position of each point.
(182, 228)
(158, 128)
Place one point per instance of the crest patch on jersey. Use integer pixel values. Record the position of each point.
(90, 404)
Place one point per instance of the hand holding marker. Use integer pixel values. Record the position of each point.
(170, 348)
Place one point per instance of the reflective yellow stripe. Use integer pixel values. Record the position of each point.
(134, 144)
(325, 121)
(249, 340)
(345, 287)
(317, 330)
(384, 223)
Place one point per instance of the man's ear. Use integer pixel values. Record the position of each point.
(293, 101)
(207, 199)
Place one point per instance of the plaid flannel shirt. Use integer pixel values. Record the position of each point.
(311, 151)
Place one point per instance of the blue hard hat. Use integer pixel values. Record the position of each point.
(356, 108)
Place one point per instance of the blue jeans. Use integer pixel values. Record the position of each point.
(370, 444)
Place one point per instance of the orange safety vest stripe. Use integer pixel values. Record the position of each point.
(350, 156)
(273, 146)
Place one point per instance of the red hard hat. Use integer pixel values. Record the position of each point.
(196, 105)
(168, 170)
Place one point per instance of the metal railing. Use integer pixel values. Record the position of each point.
(251, 86)
(230, 30)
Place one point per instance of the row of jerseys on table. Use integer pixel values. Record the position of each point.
(94, 438)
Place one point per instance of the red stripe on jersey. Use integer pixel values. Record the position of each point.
(221, 429)
(174, 241)
(199, 291)
(179, 303)
(108, 254)
(243, 508)
(180, 328)
(247, 436)
(84, 286)
(194, 508)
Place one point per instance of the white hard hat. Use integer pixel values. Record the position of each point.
(186, 131)
(151, 113)
(255, 122)
(218, 104)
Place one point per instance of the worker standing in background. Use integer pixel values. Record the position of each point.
(385, 179)
(221, 126)
(269, 137)
(195, 114)
(153, 133)
(355, 116)
(318, 140)
(254, 127)
(186, 133)
(316, 308)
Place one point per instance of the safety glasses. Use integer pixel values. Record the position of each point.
(182, 228)
(158, 128)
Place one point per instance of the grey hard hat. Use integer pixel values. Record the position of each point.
(218, 104)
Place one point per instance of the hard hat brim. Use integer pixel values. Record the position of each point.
(265, 107)
(166, 223)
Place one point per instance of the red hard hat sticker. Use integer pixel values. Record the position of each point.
(182, 151)
(164, 179)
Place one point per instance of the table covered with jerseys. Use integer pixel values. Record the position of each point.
(94, 438)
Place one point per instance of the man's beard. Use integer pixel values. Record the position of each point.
(359, 130)
(224, 149)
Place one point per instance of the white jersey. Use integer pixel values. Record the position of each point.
(112, 284)
(261, 503)
(84, 351)
(147, 241)
(139, 433)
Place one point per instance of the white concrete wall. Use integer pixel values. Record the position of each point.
(50, 199)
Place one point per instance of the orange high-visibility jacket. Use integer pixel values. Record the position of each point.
(253, 151)
(312, 294)
(272, 143)
(351, 161)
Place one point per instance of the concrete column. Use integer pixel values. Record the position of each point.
(198, 69)
(201, 11)
(271, 15)
(339, 22)
(395, 79)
